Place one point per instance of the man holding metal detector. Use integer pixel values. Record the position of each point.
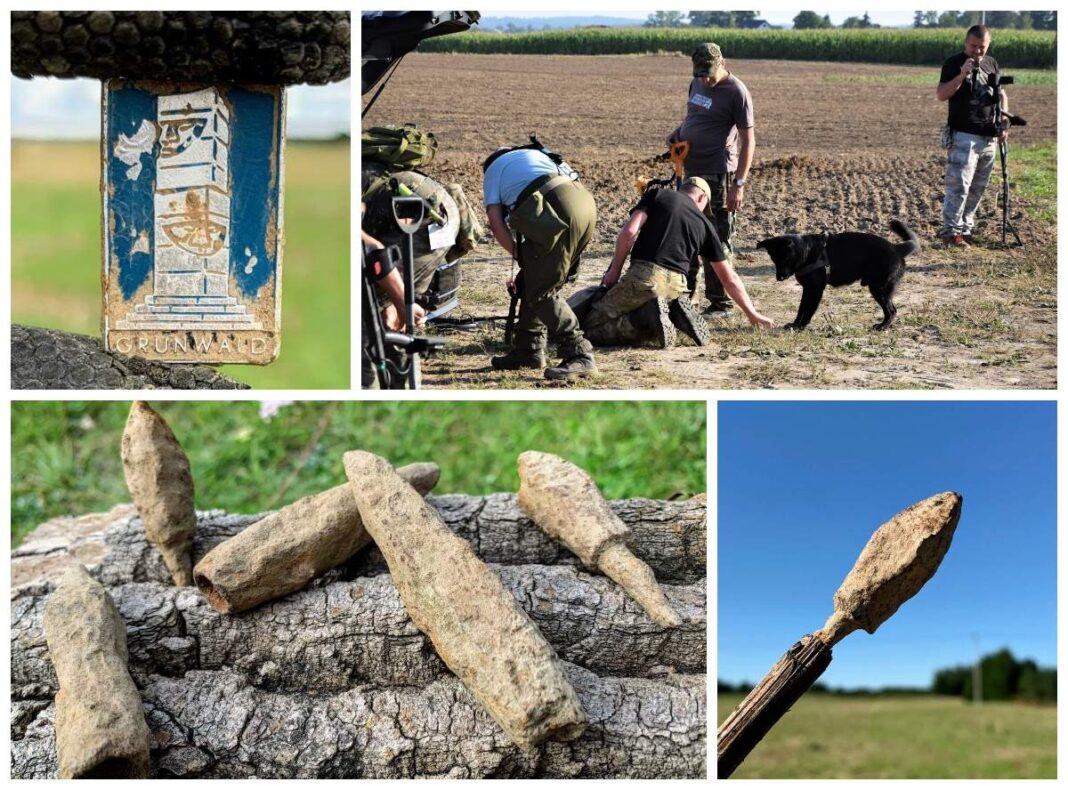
(719, 130)
(533, 192)
(976, 131)
(390, 313)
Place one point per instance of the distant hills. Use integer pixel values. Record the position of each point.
(538, 23)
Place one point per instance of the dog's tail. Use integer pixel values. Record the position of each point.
(911, 243)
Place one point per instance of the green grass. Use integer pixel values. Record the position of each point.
(66, 458)
(1021, 48)
(55, 255)
(825, 737)
(1037, 77)
(1033, 176)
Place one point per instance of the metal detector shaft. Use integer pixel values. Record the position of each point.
(408, 213)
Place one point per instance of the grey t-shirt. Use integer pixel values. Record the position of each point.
(713, 117)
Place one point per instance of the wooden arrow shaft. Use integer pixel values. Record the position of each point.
(769, 700)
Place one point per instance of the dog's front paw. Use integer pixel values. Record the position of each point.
(882, 326)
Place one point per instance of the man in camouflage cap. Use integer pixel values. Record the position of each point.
(719, 128)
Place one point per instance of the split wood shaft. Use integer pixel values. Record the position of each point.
(897, 561)
(100, 722)
(564, 501)
(476, 626)
(282, 552)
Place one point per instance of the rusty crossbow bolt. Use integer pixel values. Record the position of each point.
(565, 502)
(100, 723)
(477, 628)
(281, 553)
(161, 485)
(897, 561)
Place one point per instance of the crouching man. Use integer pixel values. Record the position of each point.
(535, 193)
(665, 231)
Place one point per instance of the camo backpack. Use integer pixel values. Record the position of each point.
(398, 147)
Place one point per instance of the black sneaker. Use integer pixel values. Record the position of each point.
(576, 367)
(518, 359)
(686, 320)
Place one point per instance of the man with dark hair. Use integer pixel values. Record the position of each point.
(665, 231)
(968, 83)
(719, 128)
(536, 194)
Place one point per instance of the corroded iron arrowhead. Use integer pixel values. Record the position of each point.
(897, 561)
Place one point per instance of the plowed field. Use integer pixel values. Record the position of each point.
(839, 147)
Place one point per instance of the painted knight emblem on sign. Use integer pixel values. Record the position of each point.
(192, 221)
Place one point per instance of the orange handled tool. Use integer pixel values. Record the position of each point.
(679, 151)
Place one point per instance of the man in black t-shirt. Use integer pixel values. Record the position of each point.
(967, 83)
(665, 230)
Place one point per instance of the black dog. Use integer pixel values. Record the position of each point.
(822, 259)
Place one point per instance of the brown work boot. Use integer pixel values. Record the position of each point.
(956, 240)
(577, 367)
(518, 359)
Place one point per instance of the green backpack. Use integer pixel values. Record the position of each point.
(398, 147)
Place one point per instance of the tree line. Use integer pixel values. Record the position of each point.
(810, 20)
(1003, 678)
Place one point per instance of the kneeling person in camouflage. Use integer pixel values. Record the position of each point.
(665, 231)
(554, 217)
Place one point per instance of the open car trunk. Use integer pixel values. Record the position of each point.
(390, 35)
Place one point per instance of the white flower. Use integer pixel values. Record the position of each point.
(269, 408)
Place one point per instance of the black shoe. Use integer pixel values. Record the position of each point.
(686, 320)
(576, 367)
(518, 359)
(653, 322)
(719, 309)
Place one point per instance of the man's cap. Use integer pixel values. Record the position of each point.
(706, 59)
(701, 184)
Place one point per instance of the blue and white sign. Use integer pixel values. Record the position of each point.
(192, 187)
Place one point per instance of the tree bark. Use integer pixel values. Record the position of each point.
(334, 680)
(669, 536)
(48, 359)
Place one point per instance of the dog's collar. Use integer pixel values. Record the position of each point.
(822, 261)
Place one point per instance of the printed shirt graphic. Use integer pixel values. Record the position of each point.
(192, 221)
(713, 117)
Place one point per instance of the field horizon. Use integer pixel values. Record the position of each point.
(827, 736)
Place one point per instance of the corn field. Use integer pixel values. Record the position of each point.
(1012, 48)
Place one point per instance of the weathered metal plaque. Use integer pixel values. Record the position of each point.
(192, 183)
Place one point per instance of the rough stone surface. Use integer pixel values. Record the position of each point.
(161, 484)
(290, 547)
(288, 47)
(99, 725)
(565, 502)
(339, 681)
(896, 562)
(48, 359)
(477, 628)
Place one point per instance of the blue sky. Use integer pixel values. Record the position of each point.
(803, 485)
(70, 109)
